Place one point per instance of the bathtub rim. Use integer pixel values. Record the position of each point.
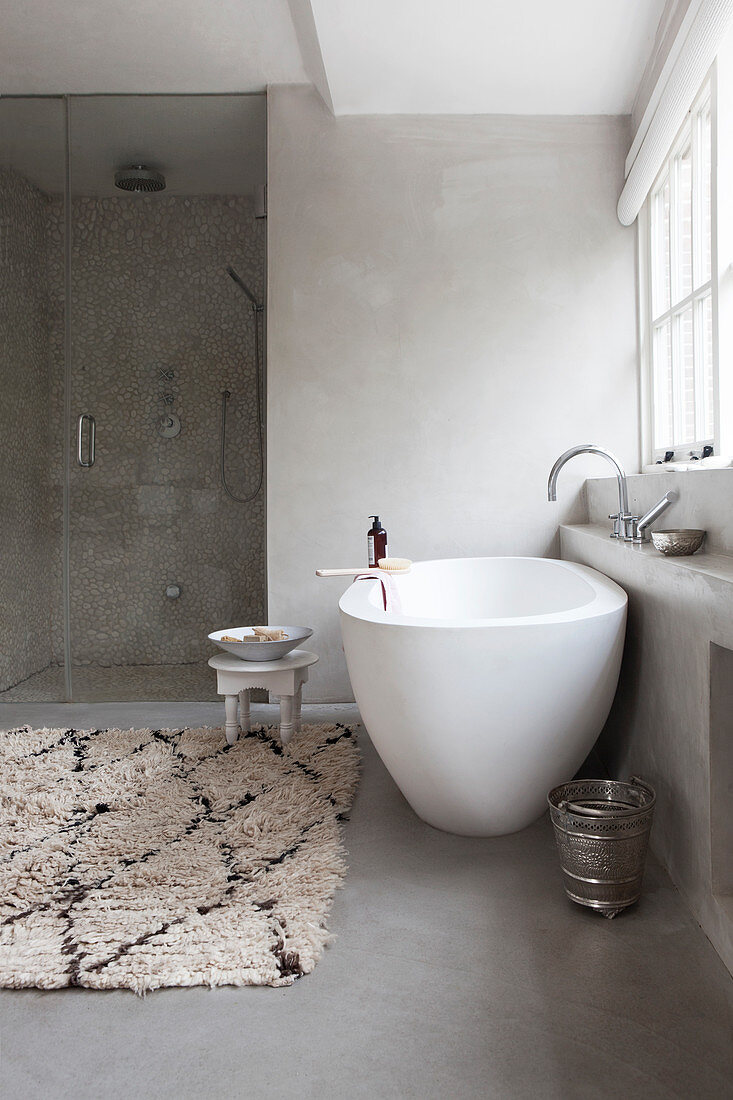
(608, 598)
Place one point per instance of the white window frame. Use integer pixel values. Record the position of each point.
(647, 320)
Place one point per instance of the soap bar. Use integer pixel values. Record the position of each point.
(269, 634)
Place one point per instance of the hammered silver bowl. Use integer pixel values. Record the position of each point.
(679, 543)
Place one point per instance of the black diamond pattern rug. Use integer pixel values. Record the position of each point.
(145, 858)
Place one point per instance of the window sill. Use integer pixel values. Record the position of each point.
(716, 462)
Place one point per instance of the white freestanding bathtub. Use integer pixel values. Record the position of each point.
(488, 686)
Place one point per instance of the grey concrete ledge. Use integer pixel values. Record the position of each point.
(708, 564)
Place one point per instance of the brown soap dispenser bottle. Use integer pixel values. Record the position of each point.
(376, 541)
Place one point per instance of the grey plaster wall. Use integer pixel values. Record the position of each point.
(149, 293)
(705, 501)
(452, 304)
(25, 537)
(670, 721)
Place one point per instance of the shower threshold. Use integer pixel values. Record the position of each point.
(118, 684)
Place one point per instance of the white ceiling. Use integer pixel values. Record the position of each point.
(484, 56)
(365, 56)
(88, 46)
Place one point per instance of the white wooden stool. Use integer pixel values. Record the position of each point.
(236, 678)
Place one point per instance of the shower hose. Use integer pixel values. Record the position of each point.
(225, 395)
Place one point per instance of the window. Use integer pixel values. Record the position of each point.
(680, 302)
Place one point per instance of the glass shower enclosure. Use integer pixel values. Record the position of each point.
(121, 330)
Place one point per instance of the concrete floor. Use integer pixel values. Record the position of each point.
(460, 970)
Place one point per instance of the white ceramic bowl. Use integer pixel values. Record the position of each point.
(259, 651)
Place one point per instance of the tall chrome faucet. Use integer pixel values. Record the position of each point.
(623, 527)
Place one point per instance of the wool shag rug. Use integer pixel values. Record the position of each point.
(135, 859)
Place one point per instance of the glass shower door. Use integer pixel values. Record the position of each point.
(159, 555)
(32, 182)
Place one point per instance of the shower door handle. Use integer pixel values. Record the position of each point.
(80, 440)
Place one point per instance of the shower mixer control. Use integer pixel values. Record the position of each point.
(169, 426)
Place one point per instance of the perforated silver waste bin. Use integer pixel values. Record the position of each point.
(602, 831)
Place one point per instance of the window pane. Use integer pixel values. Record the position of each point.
(707, 370)
(705, 199)
(683, 216)
(683, 382)
(684, 368)
(663, 387)
(660, 251)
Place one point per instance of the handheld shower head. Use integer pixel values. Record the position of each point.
(243, 286)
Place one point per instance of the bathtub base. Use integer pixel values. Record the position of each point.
(459, 825)
(485, 799)
(479, 831)
(500, 821)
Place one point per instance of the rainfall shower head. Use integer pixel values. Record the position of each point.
(243, 286)
(139, 178)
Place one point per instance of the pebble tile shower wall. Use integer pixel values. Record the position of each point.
(155, 327)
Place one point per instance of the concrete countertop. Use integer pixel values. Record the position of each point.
(719, 566)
